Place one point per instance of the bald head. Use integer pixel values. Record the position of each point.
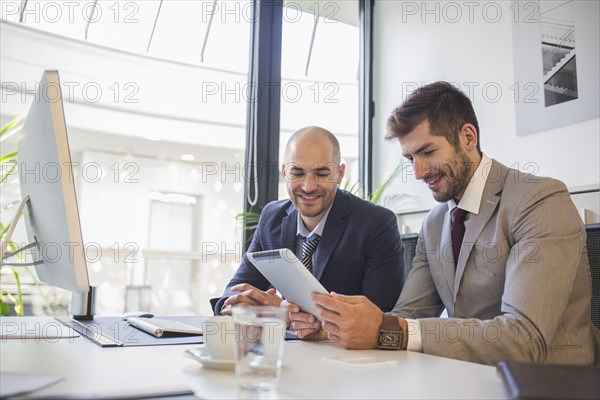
(311, 171)
(312, 136)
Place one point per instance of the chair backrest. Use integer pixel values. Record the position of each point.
(593, 251)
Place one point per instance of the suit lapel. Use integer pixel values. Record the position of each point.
(489, 202)
(334, 228)
(289, 228)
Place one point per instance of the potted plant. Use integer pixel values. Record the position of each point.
(249, 219)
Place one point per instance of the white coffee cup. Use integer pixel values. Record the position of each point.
(219, 337)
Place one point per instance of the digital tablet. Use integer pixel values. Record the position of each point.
(289, 276)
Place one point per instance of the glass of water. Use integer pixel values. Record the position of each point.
(260, 334)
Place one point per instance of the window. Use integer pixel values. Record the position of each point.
(156, 111)
(156, 102)
(320, 64)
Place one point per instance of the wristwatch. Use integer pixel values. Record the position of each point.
(390, 333)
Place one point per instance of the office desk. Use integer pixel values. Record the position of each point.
(92, 370)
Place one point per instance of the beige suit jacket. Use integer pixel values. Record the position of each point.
(521, 289)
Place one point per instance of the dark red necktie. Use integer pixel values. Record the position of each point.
(457, 229)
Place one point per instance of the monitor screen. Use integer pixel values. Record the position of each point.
(46, 176)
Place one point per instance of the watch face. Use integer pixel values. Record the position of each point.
(389, 339)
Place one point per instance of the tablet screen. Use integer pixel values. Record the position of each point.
(289, 276)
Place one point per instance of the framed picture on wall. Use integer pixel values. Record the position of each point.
(556, 63)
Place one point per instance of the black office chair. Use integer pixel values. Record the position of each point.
(593, 251)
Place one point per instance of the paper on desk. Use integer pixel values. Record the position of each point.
(360, 361)
(27, 328)
(14, 383)
(171, 392)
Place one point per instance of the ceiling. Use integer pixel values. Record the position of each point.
(121, 99)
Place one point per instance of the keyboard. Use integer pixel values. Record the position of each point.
(159, 327)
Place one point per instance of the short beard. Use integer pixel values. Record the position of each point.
(458, 175)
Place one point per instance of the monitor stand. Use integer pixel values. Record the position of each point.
(83, 305)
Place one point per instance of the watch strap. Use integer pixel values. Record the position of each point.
(391, 323)
(404, 326)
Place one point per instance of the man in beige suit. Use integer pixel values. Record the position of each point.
(520, 287)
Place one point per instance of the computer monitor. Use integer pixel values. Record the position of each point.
(48, 190)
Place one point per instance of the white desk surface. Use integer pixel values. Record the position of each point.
(91, 370)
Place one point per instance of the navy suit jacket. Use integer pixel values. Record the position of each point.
(360, 251)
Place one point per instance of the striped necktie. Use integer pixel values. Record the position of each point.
(308, 248)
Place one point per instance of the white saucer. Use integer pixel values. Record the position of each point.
(207, 361)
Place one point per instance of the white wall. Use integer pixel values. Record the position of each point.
(421, 42)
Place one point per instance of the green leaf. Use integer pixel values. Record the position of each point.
(18, 301)
(8, 157)
(11, 245)
(377, 194)
(9, 127)
(19, 304)
(4, 307)
(249, 220)
(10, 170)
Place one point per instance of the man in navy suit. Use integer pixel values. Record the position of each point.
(358, 246)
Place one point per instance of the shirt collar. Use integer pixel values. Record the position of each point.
(301, 228)
(471, 199)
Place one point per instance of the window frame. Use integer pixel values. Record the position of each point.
(263, 123)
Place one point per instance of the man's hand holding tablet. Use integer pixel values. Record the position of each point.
(250, 296)
(287, 273)
(307, 326)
